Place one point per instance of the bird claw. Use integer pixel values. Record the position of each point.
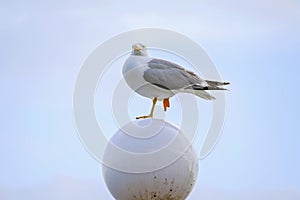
(144, 117)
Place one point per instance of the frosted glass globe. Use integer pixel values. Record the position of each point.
(149, 159)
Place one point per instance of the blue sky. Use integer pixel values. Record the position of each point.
(255, 45)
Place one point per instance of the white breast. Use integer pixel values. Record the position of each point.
(133, 72)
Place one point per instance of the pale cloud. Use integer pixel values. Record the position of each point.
(62, 188)
(213, 20)
(66, 188)
(220, 194)
(201, 26)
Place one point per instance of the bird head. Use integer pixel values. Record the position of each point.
(139, 49)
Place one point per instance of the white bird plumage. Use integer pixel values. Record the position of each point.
(160, 79)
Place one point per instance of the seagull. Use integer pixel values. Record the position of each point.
(160, 79)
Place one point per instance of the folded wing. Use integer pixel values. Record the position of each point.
(172, 76)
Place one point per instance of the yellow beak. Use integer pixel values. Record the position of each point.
(136, 48)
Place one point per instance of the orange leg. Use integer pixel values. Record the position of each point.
(151, 112)
(166, 104)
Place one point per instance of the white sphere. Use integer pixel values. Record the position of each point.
(149, 159)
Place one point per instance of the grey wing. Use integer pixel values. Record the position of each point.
(172, 76)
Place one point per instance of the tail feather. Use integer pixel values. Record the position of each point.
(216, 83)
(214, 88)
(200, 93)
(209, 87)
(201, 90)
